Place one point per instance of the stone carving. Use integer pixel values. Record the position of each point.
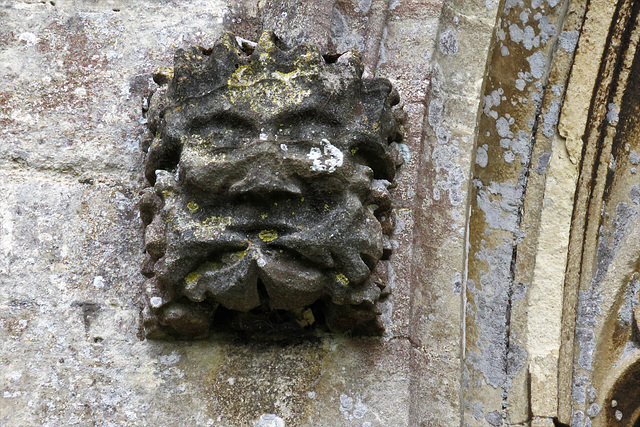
(269, 206)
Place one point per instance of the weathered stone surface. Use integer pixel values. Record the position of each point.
(74, 80)
(513, 280)
(271, 167)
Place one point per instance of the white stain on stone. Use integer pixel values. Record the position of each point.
(482, 156)
(270, 420)
(612, 113)
(352, 410)
(98, 282)
(169, 359)
(284, 147)
(537, 63)
(492, 100)
(155, 302)
(29, 38)
(490, 4)
(568, 40)
(326, 160)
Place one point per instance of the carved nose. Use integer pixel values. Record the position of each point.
(264, 182)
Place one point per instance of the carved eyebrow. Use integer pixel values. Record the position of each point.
(226, 117)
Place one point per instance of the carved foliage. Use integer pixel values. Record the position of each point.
(268, 206)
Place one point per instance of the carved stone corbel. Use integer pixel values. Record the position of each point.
(268, 207)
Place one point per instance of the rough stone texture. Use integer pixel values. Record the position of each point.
(74, 80)
(270, 169)
(514, 282)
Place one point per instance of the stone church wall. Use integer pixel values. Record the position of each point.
(514, 271)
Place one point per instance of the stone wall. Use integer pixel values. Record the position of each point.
(515, 264)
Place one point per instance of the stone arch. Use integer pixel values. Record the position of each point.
(552, 217)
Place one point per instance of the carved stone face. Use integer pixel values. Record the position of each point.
(270, 170)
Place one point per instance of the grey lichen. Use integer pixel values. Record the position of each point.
(579, 390)
(630, 302)
(448, 43)
(537, 64)
(500, 202)
(543, 163)
(492, 302)
(568, 40)
(612, 113)
(482, 156)
(495, 418)
(587, 345)
(550, 119)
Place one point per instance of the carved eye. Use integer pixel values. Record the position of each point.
(308, 125)
(225, 129)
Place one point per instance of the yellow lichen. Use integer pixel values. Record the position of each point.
(341, 277)
(232, 257)
(191, 277)
(165, 71)
(213, 158)
(268, 235)
(196, 139)
(212, 226)
(193, 206)
(249, 84)
(217, 221)
(209, 266)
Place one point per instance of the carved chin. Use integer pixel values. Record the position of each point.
(259, 276)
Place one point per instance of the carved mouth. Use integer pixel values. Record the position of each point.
(232, 280)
